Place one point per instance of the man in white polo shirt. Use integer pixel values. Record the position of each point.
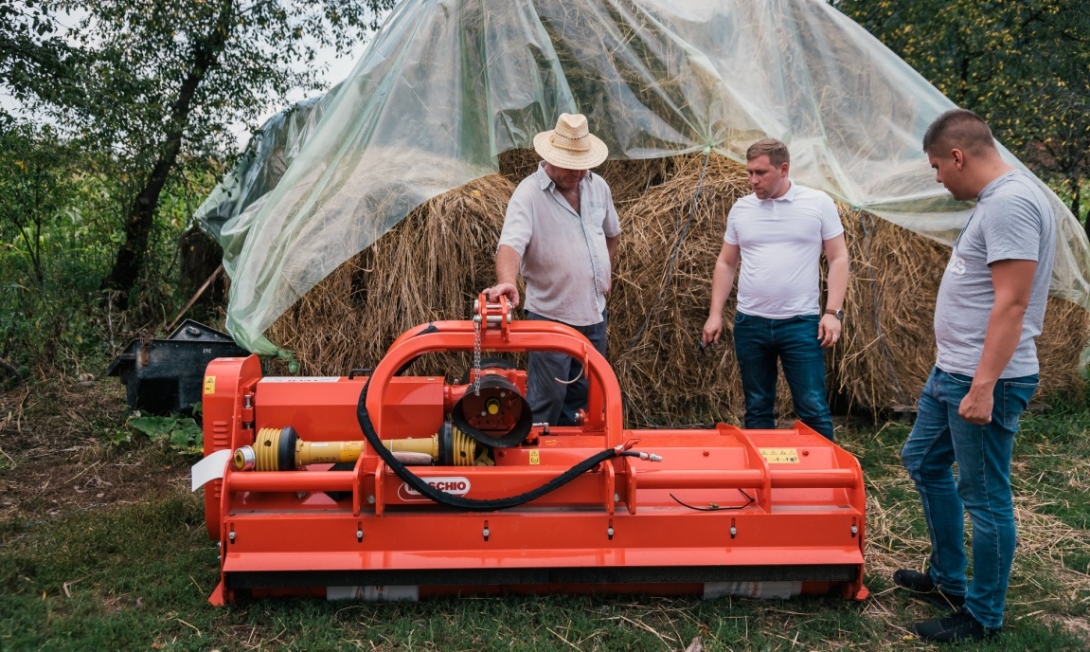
(561, 232)
(779, 233)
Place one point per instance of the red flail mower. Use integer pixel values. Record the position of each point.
(390, 486)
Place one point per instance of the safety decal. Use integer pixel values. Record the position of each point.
(780, 455)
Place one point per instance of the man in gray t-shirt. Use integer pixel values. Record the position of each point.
(1012, 221)
(990, 308)
(560, 233)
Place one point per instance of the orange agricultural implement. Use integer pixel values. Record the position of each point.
(389, 486)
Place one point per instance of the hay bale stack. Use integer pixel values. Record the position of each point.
(1059, 349)
(628, 180)
(889, 344)
(662, 282)
(673, 213)
(429, 267)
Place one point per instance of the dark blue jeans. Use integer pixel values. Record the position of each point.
(758, 343)
(940, 438)
(553, 401)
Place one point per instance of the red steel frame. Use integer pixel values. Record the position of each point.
(618, 527)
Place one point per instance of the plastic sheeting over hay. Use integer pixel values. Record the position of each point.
(449, 85)
(673, 214)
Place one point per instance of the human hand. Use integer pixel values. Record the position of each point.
(713, 328)
(976, 407)
(503, 290)
(828, 330)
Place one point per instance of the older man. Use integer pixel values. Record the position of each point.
(561, 232)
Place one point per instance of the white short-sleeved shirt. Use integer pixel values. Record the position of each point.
(780, 242)
(565, 261)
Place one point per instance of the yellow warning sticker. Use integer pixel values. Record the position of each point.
(780, 455)
(535, 457)
(209, 384)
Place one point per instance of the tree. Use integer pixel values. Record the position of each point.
(34, 187)
(149, 81)
(1021, 65)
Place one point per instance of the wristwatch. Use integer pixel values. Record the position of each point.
(839, 314)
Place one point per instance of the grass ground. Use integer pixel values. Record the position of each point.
(102, 547)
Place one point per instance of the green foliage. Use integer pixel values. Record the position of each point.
(30, 49)
(50, 250)
(60, 225)
(180, 434)
(147, 85)
(34, 189)
(1020, 65)
(142, 98)
(136, 61)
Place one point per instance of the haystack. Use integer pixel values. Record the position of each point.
(429, 267)
(889, 344)
(673, 213)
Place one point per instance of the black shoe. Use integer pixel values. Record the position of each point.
(959, 626)
(924, 588)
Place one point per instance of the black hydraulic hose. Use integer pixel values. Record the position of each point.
(469, 504)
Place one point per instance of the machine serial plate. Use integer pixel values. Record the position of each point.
(780, 455)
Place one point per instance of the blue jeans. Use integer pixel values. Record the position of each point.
(551, 401)
(758, 342)
(940, 438)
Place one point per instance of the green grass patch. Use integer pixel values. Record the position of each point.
(137, 577)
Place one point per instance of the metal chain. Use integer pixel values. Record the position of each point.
(477, 357)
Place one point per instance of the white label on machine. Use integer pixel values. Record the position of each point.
(780, 455)
(373, 593)
(209, 469)
(455, 486)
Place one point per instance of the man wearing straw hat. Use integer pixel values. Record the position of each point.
(561, 232)
(989, 310)
(778, 233)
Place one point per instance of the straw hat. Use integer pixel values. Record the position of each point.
(571, 145)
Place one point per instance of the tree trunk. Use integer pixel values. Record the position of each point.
(131, 257)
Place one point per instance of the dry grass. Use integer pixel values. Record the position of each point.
(673, 213)
(889, 344)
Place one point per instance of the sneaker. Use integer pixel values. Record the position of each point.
(924, 588)
(959, 626)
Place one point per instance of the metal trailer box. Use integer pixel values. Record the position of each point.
(163, 376)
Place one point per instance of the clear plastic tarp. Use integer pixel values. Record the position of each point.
(448, 85)
(266, 157)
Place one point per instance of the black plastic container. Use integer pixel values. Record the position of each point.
(164, 377)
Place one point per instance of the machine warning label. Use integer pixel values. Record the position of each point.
(780, 455)
(535, 457)
(452, 486)
(209, 384)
